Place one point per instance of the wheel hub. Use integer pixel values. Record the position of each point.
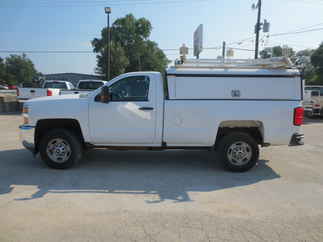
(58, 150)
(239, 153)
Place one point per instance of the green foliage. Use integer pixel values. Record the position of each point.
(130, 48)
(119, 61)
(303, 60)
(317, 62)
(306, 52)
(17, 69)
(2, 70)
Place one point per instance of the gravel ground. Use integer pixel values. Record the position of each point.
(161, 196)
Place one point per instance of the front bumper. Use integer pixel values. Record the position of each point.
(27, 139)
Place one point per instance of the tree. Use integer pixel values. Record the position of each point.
(303, 61)
(119, 61)
(19, 69)
(131, 50)
(2, 70)
(317, 62)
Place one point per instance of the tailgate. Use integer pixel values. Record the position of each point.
(30, 93)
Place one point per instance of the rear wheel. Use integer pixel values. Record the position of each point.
(238, 152)
(60, 149)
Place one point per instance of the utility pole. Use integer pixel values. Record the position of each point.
(108, 12)
(223, 49)
(258, 27)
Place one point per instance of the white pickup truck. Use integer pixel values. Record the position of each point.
(232, 108)
(313, 101)
(84, 87)
(49, 88)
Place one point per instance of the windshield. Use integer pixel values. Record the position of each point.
(91, 85)
(59, 85)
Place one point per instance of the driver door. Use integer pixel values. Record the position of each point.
(130, 116)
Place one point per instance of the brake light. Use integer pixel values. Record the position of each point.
(49, 93)
(298, 116)
(317, 105)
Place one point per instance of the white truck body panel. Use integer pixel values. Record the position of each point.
(196, 123)
(72, 92)
(198, 104)
(219, 84)
(61, 107)
(125, 123)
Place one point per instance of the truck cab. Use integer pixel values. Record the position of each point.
(62, 85)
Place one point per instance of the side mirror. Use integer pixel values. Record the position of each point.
(105, 95)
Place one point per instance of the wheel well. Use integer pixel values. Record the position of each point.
(253, 128)
(45, 125)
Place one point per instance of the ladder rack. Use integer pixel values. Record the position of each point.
(271, 63)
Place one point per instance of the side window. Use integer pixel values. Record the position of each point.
(321, 91)
(134, 88)
(315, 94)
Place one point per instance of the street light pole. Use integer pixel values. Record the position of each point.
(223, 49)
(108, 11)
(258, 28)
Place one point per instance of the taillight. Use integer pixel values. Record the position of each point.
(49, 93)
(298, 116)
(317, 105)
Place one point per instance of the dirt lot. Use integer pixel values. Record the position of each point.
(161, 196)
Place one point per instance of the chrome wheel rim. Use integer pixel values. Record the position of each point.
(239, 153)
(58, 150)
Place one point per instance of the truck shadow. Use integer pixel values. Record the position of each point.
(171, 175)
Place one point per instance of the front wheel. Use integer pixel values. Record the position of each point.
(60, 149)
(238, 152)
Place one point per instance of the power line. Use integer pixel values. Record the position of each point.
(297, 32)
(169, 49)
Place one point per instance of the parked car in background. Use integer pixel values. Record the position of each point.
(84, 87)
(313, 101)
(3, 87)
(62, 85)
(49, 88)
(25, 93)
(233, 107)
(12, 87)
(90, 84)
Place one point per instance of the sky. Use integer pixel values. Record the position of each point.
(70, 25)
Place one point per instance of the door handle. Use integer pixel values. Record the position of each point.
(146, 108)
(32, 91)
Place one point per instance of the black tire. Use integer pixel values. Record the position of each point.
(234, 138)
(73, 142)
